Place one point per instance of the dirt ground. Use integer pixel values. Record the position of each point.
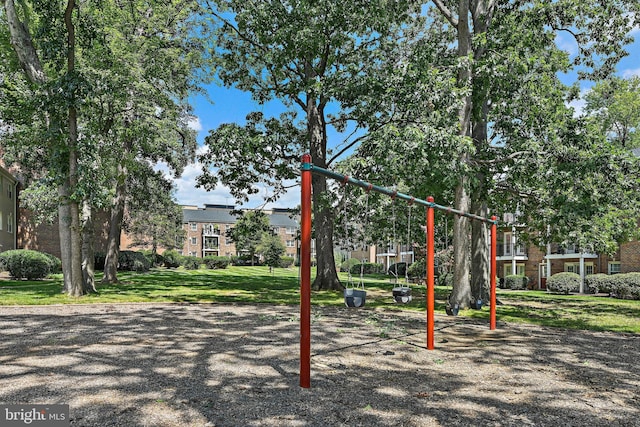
(237, 365)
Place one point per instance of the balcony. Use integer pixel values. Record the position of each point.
(507, 251)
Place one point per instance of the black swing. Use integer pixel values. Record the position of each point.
(354, 293)
(401, 294)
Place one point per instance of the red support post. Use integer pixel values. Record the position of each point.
(494, 271)
(430, 275)
(305, 276)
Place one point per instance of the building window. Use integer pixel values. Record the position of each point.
(276, 230)
(10, 223)
(574, 267)
(291, 230)
(291, 243)
(9, 191)
(194, 240)
(508, 269)
(507, 244)
(1, 221)
(193, 226)
(614, 267)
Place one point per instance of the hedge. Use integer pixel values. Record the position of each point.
(348, 264)
(516, 282)
(286, 261)
(172, 259)
(191, 262)
(367, 268)
(597, 283)
(418, 269)
(564, 283)
(133, 261)
(216, 262)
(28, 264)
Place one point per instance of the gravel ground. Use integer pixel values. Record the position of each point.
(237, 365)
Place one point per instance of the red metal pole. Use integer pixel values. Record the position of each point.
(494, 271)
(430, 276)
(305, 275)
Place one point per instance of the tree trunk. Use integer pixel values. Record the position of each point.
(110, 274)
(88, 261)
(77, 288)
(327, 276)
(461, 294)
(23, 46)
(64, 229)
(480, 268)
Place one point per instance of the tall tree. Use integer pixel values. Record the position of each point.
(248, 232)
(310, 55)
(58, 92)
(142, 113)
(502, 46)
(154, 220)
(614, 104)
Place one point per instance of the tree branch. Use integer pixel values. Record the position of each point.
(446, 12)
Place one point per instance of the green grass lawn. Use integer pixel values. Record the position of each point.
(258, 285)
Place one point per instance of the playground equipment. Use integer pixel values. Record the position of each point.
(307, 169)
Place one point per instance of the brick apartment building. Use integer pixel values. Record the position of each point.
(8, 210)
(537, 264)
(206, 230)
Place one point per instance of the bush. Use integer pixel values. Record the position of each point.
(418, 270)
(133, 261)
(216, 262)
(399, 269)
(564, 283)
(172, 259)
(27, 264)
(55, 263)
(243, 260)
(625, 285)
(348, 264)
(367, 268)
(191, 262)
(154, 259)
(597, 283)
(286, 261)
(516, 282)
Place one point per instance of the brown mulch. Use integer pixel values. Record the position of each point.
(237, 365)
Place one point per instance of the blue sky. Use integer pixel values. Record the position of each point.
(232, 106)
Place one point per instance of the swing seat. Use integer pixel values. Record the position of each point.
(402, 294)
(452, 310)
(354, 297)
(476, 304)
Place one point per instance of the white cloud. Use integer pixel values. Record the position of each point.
(567, 43)
(195, 123)
(628, 73)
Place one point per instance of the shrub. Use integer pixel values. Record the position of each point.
(597, 283)
(399, 269)
(54, 262)
(286, 261)
(418, 270)
(626, 285)
(26, 264)
(133, 261)
(564, 283)
(191, 262)
(445, 279)
(172, 259)
(516, 282)
(216, 262)
(367, 268)
(348, 264)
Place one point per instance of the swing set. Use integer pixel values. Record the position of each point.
(307, 169)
